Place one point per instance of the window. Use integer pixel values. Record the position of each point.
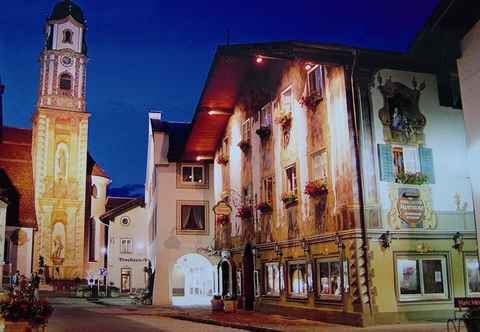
(65, 82)
(266, 115)
(319, 165)
(239, 283)
(291, 178)
(315, 81)
(472, 275)
(126, 246)
(246, 131)
(286, 101)
(94, 191)
(225, 146)
(272, 279)
(192, 217)
(297, 277)
(67, 36)
(193, 174)
(247, 195)
(405, 160)
(91, 240)
(267, 190)
(420, 278)
(125, 221)
(329, 282)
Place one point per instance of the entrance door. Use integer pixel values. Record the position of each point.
(126, 281)
(248, 278)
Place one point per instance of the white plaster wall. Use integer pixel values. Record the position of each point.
(137, 230)
(444, 134)
(169, 246)
(469, 75)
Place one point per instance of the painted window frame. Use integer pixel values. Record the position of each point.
(289, 90)
(320, 80)
(291, 185)
(63, 78)
(246, 130)
(290, 285)
(267, 195)
(66, 40)
(126, 245)
(128, 220)
(266, 115)
(180, 230)
(341, 275)
(470, 256)
(422, 296)
(415, 169)
(313, 155)
(190, 184)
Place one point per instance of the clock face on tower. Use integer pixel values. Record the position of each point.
(67, 61)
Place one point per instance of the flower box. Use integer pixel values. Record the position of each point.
(264, 207)
(264, 132)
(222, 159)
(311, 101)
(289, 198)
(412, 178)
(316, 188)
(244, 146)
(244, 212)
(285, 120)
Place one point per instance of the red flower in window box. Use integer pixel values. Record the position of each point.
(222, 159)
(412, 178)
(244, 146)
(311, 101)
(289, 198)
(245, 212)
(316, 188)
(264, 207)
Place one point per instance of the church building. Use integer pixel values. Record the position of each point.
(52, 190)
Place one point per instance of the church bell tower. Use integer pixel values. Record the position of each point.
(60, 131)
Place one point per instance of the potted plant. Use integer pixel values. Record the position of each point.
(24, 313)
(311, 101)
(472, 320)
(217, 303)
(264, 207)
(229, 303)
(412, 178)
(245, 212)
(316, 188)
(244, 146)
(285, 120)
(222, 159)
(289, 198)
(264, 132)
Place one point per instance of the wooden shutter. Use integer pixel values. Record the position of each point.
(385, 162)
(426, 163)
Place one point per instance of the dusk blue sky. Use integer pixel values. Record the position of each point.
(155, 55)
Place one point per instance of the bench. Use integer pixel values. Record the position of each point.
(462, 304)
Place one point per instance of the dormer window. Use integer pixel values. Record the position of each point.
(67, 36)
(65, 82)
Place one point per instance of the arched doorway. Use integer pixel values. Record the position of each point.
(192, 281)
(248, 277)
(225, 273)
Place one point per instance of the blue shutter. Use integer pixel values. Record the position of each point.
(385, 161)
(426, 163)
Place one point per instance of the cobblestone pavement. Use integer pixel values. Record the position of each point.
(73, 315)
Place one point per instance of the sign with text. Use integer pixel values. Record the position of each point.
(411, 208)
(222, 208)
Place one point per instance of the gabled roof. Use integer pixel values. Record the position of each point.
(16, 176)
(94, 169)
(177, 132)
(117, 205)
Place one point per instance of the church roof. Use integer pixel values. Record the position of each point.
(16, 176)
(67, 8)
(93, 168)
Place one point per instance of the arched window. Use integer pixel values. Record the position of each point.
(67, 36)
(91, 240)
(65, 82)
(94, 191)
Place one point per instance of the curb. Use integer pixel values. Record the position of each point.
(224, 324)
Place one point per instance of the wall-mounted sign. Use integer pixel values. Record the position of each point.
(222, 208)
(411, 208)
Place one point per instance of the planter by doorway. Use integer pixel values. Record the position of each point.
(230, 305)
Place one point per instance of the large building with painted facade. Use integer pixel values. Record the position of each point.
(53, 189)
(347, 177)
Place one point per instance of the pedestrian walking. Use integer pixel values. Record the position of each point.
(35, 282)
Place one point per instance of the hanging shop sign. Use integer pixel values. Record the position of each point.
(411, 208)
(222, 208)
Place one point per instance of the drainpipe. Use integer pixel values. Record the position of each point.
(356, 140)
